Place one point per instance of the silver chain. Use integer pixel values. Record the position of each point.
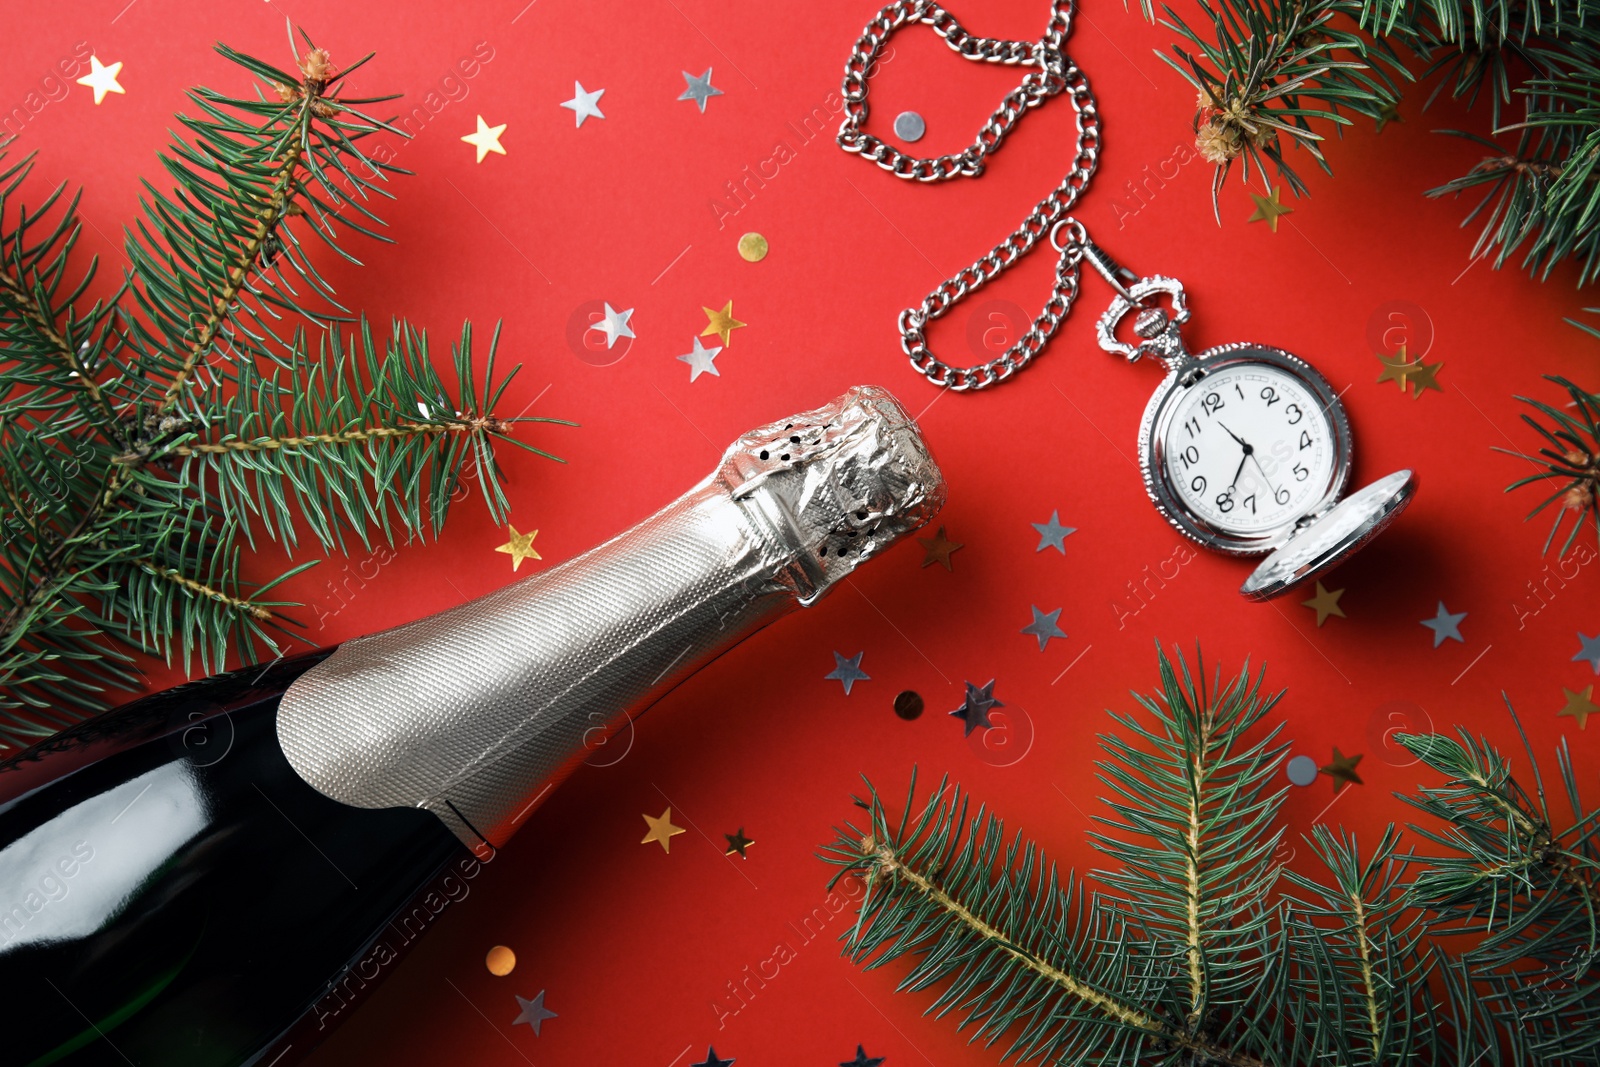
(1053, 74)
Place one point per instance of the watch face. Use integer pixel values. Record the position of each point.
(1249, 448)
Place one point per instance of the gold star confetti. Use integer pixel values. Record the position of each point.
(1397, 368)
(937, 549)
(1268, 208)
(1390, 112)
(737, 842)
(722, 323)
(661, 830)
(753, 247)
(1422, 378)
(1416, 374)
(501, 961)
(1342, 769)
(486, 138)
(1579, 705)
(101, 78)
(520, 547)
(1325, 603)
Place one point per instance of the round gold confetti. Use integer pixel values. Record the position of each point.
(753, 247)
(500, 961)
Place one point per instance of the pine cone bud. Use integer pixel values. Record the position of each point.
(1216, 143)
(1579, 498)
(317, 67)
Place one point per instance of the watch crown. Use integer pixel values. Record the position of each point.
(1151, 323)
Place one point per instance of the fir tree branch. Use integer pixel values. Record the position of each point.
(1570, 459)
(990, 921)
(139, 438)
(189, 585)
(1265, 70)
(1527, 891)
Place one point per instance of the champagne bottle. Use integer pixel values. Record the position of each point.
(216, 874)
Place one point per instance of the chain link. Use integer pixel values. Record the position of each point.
(1054, 74)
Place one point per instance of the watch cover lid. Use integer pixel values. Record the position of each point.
(1328, 540)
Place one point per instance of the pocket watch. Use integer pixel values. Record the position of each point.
(1245, 448)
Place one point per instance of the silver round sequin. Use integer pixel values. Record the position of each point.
(908, 126)
(1302, 770)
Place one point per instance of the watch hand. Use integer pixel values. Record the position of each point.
(1235, 436)
(1270, 487)
(1242, 460)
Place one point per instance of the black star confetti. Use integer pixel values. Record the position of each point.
(974, 711)
(711, 1059)
(737, 842)
(862, 1059)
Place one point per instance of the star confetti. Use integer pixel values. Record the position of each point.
(1268, 208)
(102, 79)
(1342, 769)
(614, 324)
(534, 1013)
(520, 547)
(1044, 626)
(1416, 374)
(847, 670)
(1579, 705)
(661, 830)
(1052, 534)
(1423, 379)
(699, 89)
(974, 711)
(711, 1060)
(1388, 113)
(862, 1059)
(1445, 624)
(1325, 603)
(701, 361)
(486, 139)
(737, 842)
(582, 104)
(721, 323)
(1397, 368)
(1589, 649)
(937, 549)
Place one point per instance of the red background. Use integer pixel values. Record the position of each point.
(635, 947)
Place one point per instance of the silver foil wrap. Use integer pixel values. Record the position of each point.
(476, 712)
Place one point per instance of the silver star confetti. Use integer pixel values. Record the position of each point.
(614, 324)
(534, 1013)
(700, 360)
(583, 103)
(1589, 650)
(1052, 534)
(848, 671)
(1044, 626)
(699, 89)
(974, 711)
(1444, 624)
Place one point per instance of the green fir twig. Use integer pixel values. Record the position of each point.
(145, 436)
